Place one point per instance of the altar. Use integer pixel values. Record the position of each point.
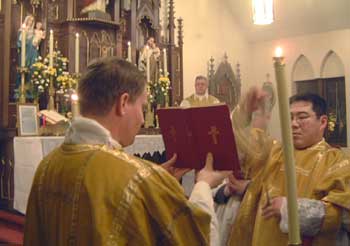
(29, 151)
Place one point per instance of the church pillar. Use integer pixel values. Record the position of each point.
(133, 30)
(5, 59)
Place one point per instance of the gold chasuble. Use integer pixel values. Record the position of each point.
(322, 173)
(195, 101)
(97, 195)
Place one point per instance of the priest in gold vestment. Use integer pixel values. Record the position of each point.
(322, 174)
(201, 96)
(90, 192)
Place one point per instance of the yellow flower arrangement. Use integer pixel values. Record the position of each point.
(158, 91)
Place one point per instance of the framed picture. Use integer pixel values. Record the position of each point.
(27, 119)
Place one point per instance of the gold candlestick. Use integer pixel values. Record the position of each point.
(288, 151)
(22, 91)
(51, 105)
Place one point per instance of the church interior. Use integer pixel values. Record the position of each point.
(215, 39)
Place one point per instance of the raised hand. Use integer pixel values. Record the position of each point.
(254, 98)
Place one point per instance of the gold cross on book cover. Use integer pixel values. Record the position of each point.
(193, 132)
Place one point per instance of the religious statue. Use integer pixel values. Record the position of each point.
(31, 53)
(97, 5)
(39, 35)
(149, 57)
(28, 27)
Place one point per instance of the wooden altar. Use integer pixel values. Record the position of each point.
(102, 33)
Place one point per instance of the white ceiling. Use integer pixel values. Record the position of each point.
(293, 18)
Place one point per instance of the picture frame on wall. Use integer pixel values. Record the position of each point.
(27, 119)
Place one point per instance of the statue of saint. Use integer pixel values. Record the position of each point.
(152, 52)
(97, 5)
(39, 35)
(31, 52)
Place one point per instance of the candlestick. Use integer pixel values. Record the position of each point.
(165, 63)
(77, 51)
(75, 106)
(129, 52)
(51, 49)
(148, 63)
(288, 150)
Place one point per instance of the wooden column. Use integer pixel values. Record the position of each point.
(180, 44)
(172, 54)
(117, 11)
(5, 63)
(133, 30)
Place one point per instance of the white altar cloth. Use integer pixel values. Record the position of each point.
(29, 151)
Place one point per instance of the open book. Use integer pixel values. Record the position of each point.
(193, 132)
(52, 117)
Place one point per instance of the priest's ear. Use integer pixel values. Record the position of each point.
(121, 104)
(324, 121)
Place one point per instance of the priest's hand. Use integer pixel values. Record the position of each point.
(253, 99)
(235, 186)
(209, 175)
(176, 172)
(273, 208)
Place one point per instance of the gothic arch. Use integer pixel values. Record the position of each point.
(332, 66)
(302, 69)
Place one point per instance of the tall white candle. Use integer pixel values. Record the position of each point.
(288, 150)
(148, 64)
(51, 49)
(77, 51)
(23, 46)
(129, 52)
(165, 63)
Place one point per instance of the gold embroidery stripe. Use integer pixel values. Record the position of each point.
(72, 238)
(121, 212)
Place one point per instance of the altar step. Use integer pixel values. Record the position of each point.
(11, 228)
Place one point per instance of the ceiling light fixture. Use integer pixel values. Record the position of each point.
(262, 12)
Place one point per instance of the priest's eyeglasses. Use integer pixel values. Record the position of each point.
(300, 118)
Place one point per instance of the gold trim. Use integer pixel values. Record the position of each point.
(132, 188)
(72, 238)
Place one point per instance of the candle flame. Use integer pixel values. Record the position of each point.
(74, 97)
(278, 52)
(51, 31)
(77, 35)
(129, 43)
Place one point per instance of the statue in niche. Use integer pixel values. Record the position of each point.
(96, 9)
(39, 35)
(150, 52)
(31, 51)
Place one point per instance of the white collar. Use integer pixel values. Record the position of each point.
(201, 97)
(87, 131)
